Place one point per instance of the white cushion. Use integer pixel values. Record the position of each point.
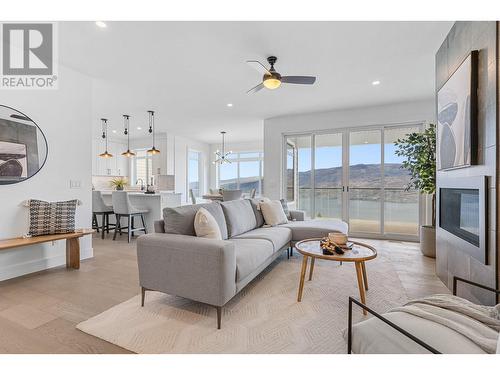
(206, 226)
(273, 213)
(373, 336)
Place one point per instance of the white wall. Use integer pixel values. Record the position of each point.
(274, 128)
(234, 147)
(64, 115)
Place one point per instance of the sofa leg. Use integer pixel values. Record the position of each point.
(143, 295)
(288, 253)
(219, 316)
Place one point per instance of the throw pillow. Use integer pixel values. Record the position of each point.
(51, 217)
(273, 213)
(206, 226)
(285, 209)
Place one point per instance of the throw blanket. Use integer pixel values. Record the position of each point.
(480, 324)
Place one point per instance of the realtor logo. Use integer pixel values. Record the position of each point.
(28, 56)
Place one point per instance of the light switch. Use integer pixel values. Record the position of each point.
(75, 184)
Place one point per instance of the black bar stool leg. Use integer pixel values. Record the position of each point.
(143, 224)
(133, 225)
(117, 226)
(103, 225)
(129, 232)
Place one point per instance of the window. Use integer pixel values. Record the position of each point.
(142, 168)
(194, 172)
(245, 172)
(355, 175)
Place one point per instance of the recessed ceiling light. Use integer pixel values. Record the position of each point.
(229, 104)
(114, 131)
(375, 83)
(139, 128)
(101, 24)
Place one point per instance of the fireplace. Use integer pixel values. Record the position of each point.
(462, 214)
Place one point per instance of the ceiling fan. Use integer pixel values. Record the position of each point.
(272, 79)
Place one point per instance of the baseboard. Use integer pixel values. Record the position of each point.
(36, 265)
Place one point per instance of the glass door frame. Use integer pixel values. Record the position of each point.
(345, 131)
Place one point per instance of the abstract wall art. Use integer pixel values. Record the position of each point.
(457, 117)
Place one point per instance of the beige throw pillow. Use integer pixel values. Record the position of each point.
(206, 226)
(273, 213)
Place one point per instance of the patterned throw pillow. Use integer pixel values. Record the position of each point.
(284, 204)
(51, 217)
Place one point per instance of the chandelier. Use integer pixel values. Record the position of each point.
(221, 156)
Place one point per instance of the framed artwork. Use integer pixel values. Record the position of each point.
(23, 147)
(457, 117)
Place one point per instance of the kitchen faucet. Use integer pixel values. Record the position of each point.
(142, 183)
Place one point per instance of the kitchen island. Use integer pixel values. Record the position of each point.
(154, 203)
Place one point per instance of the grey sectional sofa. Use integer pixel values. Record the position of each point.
(174, 261)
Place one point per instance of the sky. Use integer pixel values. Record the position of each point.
(326, 157)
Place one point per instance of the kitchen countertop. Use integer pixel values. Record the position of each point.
(134, 192)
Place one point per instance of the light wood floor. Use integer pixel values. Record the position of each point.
(39, 312)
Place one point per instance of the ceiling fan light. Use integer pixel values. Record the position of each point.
(271, 83)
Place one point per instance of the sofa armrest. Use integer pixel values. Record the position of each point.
(159, 226)
(297, 215)
(197, 268)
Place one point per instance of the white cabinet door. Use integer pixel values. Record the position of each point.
(170, 155)
(159, 164)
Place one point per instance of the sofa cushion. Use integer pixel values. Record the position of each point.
(302, 230)
(180, 220)
(278, 236)
(250, 254)
(273, 213)
(239, 215)
(206, 226)
(375, 337)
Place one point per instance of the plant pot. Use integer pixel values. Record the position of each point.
(119, 188)
(428, 240)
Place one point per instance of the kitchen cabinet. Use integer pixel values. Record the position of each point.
(163, 163)
(118, 165)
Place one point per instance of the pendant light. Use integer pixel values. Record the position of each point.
(104, 124)
(222, 156)
(152, 150)
(126, 131)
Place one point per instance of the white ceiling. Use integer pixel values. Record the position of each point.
(188, 71)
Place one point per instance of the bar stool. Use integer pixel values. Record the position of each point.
(100, 208)
(123, 208)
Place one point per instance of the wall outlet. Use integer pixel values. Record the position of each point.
(75, 184)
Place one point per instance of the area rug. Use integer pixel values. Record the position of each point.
(264, 318)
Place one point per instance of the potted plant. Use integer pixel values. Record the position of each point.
(118, 183)
(419, 150)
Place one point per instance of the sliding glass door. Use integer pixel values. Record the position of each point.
(328, 175)
(365, 181)
(353, 175)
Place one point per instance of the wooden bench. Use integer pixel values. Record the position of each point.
(72, 244)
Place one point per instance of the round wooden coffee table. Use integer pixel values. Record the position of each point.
(359, 253)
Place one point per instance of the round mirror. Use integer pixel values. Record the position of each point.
(23, 147)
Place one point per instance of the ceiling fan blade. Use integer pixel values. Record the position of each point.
(300, 80)
(257, 65)
(259, 87)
